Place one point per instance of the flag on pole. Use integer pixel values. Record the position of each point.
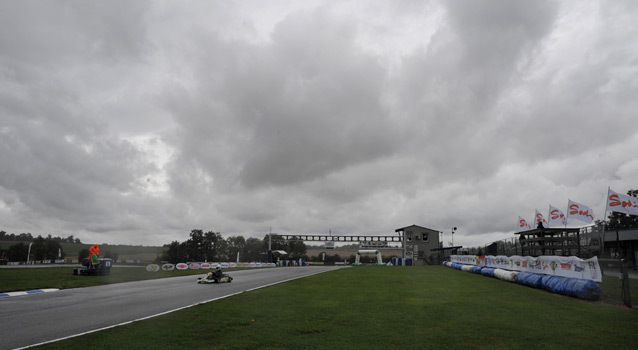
(522, 225)
(580, 212)
(539, 218)
(622, 203)
(556, 216)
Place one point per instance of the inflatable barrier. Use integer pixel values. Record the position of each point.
(467, 268)
(529, 279)
(574, 287)
(505, 275)
(477, 269)
(487, 271)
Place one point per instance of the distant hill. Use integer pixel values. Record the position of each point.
(71, 250)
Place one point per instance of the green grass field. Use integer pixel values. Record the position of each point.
(381, 308)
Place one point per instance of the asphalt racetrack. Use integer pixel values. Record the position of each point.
(38, 318)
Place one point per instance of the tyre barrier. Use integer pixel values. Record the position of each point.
(569, 286)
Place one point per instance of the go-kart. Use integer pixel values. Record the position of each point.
(225, 278)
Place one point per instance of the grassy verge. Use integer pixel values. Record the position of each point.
(381, 308)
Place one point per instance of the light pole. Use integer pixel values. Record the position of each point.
(453, 229)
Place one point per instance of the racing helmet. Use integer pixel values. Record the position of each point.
(218, 268)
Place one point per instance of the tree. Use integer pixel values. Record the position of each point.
(83, 254)
(234, 245)
(296, 248)
(253, 250)
(172, 254)
(18, 252)
(215, 246)
(45, 249)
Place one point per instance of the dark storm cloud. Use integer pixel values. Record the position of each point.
(59, 160)
(304, 106)
(452, 88)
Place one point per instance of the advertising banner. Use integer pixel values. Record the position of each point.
(564, 266)
(373, 244)
(152, 267)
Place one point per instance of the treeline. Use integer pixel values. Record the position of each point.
(211, 246)
(28, 237)
(41, 249)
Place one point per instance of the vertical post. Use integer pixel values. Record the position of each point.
(626, 292)
(404, 248)
(29, 253)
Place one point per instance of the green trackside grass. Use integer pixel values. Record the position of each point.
(29, 278)
(381, 308)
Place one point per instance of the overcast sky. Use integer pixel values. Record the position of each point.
(134, 122)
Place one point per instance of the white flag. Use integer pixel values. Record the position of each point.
(556, 216)
(622, 203)
(539, 218)
(580, 212)
(522, 225)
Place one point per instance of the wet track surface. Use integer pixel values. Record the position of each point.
(33, 319)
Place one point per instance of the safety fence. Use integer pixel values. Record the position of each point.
(589, 240)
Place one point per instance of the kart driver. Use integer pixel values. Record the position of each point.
(218, 273)
(215, 276)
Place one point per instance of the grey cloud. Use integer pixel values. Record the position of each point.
(296, 110)
(50, 33)
(311, 124)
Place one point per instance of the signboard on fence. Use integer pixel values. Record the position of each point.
(373, 244)
(564, 266)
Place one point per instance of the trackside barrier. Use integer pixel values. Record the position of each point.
(573, 287)
(487, 271)
(529, 279)
(505, 275)
(466, 268)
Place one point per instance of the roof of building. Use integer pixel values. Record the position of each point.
(403, 228)
(448, 248)
(549, 231)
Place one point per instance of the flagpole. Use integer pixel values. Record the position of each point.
(602, 241)
(567, 217)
